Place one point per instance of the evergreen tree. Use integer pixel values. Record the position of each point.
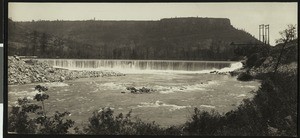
(44, 44)
(33, 41)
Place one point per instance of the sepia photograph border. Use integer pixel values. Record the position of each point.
(5, 59)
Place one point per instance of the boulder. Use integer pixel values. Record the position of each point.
(16, 57)
(62, 78)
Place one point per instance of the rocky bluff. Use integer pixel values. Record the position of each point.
(190, 38)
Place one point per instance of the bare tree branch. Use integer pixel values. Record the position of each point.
(287, 36)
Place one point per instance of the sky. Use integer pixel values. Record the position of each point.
(247, 16)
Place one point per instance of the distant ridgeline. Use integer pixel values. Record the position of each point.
(174, 38)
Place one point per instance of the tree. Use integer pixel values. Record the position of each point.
(287, 36)
(43, 44)
(59, 44)
(33, 41)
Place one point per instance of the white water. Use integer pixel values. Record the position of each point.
(158, 103)
(145, 66)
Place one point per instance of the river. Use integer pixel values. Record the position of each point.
(179, 87)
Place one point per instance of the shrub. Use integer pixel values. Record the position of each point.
(244, 121)
(277, 101)
(251, 61)
(204, 123)
(18, 119)
(55, 124)
(245, 77)
(103, 122)
(20, 122)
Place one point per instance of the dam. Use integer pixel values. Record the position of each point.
(163, 65)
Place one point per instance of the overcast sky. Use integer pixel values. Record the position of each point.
(242, 15)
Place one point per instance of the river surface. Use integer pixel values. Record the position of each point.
(172, 102)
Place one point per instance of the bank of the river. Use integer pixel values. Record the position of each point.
(28, 71)
(273, 110)
(266, 67)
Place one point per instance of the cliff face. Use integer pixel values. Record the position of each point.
(175, 38)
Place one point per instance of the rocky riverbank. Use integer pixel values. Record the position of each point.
(269, 65)
(266, 67)
(22, 71)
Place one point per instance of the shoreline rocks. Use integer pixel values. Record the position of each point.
(29, 71)
(266, 68)
(219, 73)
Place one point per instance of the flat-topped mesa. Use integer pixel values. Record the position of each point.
(188, 38)
(213, 22)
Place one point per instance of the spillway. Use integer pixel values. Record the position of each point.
(172, 65)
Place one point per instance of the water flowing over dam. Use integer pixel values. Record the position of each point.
(167, 65)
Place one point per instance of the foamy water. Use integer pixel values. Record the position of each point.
(144, 66)
(22, 94)
(55, 84)
(111, 85)
(157, 104)
(208, 106)
(187, 87)
(232, 67)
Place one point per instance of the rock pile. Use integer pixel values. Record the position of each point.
(139, 91)
(30, 71)
(220, 73)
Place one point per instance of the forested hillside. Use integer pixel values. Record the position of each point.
(174, 38)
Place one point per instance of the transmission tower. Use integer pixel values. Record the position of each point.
(264, 33)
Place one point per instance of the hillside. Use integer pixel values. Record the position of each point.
(175, 38)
